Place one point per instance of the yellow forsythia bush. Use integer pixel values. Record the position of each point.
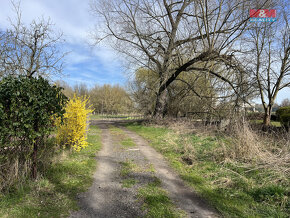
(72, 132)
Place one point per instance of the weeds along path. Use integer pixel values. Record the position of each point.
(133, 180)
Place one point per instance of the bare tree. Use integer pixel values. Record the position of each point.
(110, 99)
(81, 89)
(67, 89)
(30, 50)
(191, 92)
(143, 88)
(268, 50)
(170, 37)
(285, 102)
(2, 50)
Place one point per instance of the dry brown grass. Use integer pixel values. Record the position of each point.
(265, 150)
(243, 170)
(13, 170)
(15, 165)
(239, 144)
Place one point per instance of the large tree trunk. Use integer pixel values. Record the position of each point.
(267, 116)
(161, 105)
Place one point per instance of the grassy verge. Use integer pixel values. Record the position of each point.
(54, 193)
(116, 116)
(273, 123)
(235, 190)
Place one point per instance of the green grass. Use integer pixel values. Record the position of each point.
(128, 142)
(125, 141)
(54, 193)
(116, 131)
(116, 116)
(156, 201)
(273, 123)
(128, 183)
(127, 167)
(231, 189)
(95, 117)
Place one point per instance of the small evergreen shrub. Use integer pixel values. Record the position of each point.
(27, 106)
(283, 114)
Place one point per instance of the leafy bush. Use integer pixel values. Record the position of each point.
(284, 116)
(72, 133)
(27, 106)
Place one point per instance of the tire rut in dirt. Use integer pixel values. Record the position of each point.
(107, 197)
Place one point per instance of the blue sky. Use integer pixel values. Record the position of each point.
(84, 64)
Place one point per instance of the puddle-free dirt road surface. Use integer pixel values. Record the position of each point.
(108, 197)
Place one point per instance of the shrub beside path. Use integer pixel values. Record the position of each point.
(123, 172)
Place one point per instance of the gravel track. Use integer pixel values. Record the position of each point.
(107, 197)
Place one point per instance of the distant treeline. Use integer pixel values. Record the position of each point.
(105, 99)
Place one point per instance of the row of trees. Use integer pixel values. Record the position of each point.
(284, 103)
(105, 99)
(206, 39)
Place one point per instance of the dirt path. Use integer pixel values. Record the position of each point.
(109, 198)
(182, 195)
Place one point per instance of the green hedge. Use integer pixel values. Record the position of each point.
(27, 108)
(283, 114)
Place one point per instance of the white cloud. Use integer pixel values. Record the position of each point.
(84, 63)
(75, 57)
(72, 17)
